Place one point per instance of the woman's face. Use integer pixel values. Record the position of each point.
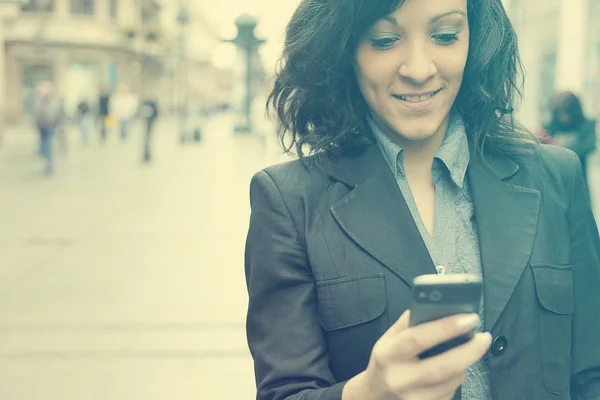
(410, 67)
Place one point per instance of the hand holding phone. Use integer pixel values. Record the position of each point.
(395, 369)
(437, 296)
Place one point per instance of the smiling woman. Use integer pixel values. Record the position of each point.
(414, 60)
(411, 164)
(321, 104)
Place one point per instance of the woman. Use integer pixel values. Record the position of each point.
(415, 166)
(570, 128)
(84, 120)
(47, 114)
(123, 105)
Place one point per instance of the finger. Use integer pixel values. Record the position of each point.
(400, 325)
(415, 340)
(384, 349)
(454, 362)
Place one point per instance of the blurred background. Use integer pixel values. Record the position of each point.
(129, 131)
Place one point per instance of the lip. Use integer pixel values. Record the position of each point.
(417, 94)
(419, 105)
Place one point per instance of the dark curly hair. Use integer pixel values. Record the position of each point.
(319, 104)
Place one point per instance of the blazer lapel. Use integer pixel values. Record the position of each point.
(375, 215)
(507, 219)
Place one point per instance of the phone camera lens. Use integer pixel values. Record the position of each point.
(436, 295)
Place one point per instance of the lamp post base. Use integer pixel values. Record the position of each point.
(242, 128)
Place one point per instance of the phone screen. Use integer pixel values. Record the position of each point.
(439, 296)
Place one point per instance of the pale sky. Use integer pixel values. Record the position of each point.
(273, 16)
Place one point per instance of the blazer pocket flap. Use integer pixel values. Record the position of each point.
(350, 301)
(554, 287)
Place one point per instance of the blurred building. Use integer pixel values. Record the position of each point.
(81, 45)
(560, 48)
(192, 79)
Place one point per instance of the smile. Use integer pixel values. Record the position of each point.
(418, 103)
(418, 99)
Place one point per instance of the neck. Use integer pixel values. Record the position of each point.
(418, 154)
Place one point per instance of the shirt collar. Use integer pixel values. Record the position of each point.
(453, 153)
(392, 153)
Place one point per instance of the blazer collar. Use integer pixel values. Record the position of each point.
(507, 207)
(375, 215)
(353, 170)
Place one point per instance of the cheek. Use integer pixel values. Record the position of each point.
(362, 74)
(374, 73)
(368, 85)
(452, 65)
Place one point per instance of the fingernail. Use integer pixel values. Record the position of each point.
(487, 338)
(468, 322)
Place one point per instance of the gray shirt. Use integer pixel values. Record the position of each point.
(48, 112)
(454, 246)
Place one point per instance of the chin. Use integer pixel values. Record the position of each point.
(416, 131)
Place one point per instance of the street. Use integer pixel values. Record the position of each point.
(125, 281)
(120, 280)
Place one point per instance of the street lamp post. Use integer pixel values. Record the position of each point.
(247, 42)
(183, 19)
(9, 11)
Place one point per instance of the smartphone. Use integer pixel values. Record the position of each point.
(438, 296)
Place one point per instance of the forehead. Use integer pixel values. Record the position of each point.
(419, 10)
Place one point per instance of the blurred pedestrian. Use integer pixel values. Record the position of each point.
(47, 113)
(570, 128)
(149, 112)
(103, 112)
(61, 128)
(123, 106)
(84, 120)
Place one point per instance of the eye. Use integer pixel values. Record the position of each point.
(446, 38)
(383, 43)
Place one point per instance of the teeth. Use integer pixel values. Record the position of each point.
(416, 99)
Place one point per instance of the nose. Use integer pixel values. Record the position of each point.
(418, 67)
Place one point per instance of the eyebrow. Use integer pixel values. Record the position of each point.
(446, 14)
(435, 19)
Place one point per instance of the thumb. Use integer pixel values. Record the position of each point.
(400, 325)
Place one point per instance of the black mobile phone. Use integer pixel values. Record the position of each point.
(438, 296)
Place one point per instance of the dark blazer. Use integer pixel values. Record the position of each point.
(331, 255)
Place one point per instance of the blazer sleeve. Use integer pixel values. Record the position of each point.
(285, 339)
(585, 257)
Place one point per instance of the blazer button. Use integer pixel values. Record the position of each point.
(441, 270)
(499, 346)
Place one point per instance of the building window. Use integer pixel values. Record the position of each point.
(113, 9)
(37, 5)
(592, 97)
(85, 7)
(150, 10)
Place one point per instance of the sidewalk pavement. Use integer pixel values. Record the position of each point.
(121, 280)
